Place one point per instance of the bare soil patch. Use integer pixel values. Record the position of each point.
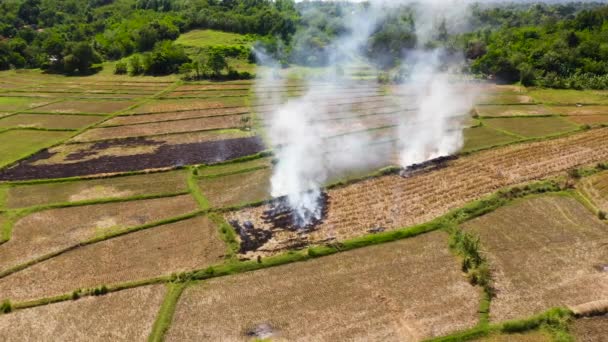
(544, 252)
(124, 155)
(394, 202)
(190, 114)
(28, 195)
(51, 230)
(100, 318)
(52, 121)
(403, 291)
(578, 110)
(177, 247)
(94, 107)
(237, 189)
(592, 120)
(157, 128)
(590, 329)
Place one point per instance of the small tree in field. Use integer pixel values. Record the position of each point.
(216, 63)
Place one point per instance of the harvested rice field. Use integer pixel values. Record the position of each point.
(91, 319)
(535, 336)
(93, 107)
(483, 137)
(13, 104)
(151, 184)
(545, 252)
(161, 106)
(230, 168)
(50, 121)
(596, 189)
(591, 120)
(49, 231)
(392, 202)
(569, 97)
(158, 251)
(532, 127)
(17, 144)
(506, 110)
(171, 116)
(237, 189)
(593, 329)
(405, 291)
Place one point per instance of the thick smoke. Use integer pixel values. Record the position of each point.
(307, 138)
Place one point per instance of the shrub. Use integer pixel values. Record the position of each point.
(601, 215)
(76, 294)
(100, 291)
(136, 67)
(574, 173)
(120, 68)
(6, 306)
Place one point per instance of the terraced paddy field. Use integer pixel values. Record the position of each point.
(91, 319)
(49, 121)
(546, 252)
(406, 291)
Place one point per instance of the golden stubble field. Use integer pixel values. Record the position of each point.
(403, 291)
(393, 202)
(545, 252)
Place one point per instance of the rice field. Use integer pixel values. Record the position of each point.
(17, 144)
(596, 189)
(82, 106)
(237, 189)
(404, 291)
(532, 127)
(49, 121)
(545, 252)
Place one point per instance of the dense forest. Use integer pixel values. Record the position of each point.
(554, 45)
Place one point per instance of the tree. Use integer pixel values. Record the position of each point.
(216, 63)
(81, 58)
(166, 58)
(136, 68)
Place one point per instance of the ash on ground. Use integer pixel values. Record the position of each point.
(429, 165)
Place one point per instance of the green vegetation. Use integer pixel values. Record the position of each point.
(483, 137)
(18, 144)
(532, 127)
(166, 311)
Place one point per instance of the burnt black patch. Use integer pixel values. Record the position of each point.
(429, 165)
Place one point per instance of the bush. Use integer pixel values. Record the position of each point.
(601, 215)
(76, 294)
(6, 306)
(120, 68)
(100, 291)
(136, 67)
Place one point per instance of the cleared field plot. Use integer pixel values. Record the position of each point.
(12, 104)
(181, 246)
(237, 189)
(208, 93)
(569, 97)
(158, 128)
(100, 318)
(233, 167)
(52, 230)
(590, 329)
(532, 127)
(52, 121)
(393, 202)
(578, 110)
(95, 189)
(94, 107)
(596, 189)
(205, 38)
(16, 144)
(483, 137)
(535, 336)
(515, 110)
(190, 114)
(159, 106)
(505, 98)
(545, 252)
(132, 154)
(592, 120)
(212, 87)
(403, 291)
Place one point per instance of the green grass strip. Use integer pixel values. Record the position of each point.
(165, 314)
(227, 234)
(195, 190)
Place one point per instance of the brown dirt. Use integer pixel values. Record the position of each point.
(52, 121)
(590, 329)
(209, 94)
(177, 247)
(51, 230)
(402, 291)
(102, 318)
(592, 120)
(516, 110)
(544, 252)
(190, 104)
(237, 189)
(141, 154)
(219, 86)
(157, 128)
(596, 189)
(578, 110)
(190, 114)
(394, 202)
(95, 107)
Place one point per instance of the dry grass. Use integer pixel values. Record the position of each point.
(52, 121)
(234, 167)
(534, 336)
(52, 230)
(592, 120)
(237, 189)
(181, 246)
(190, 104)
(516, 110)
(596, 189)
(590, 329)
(545, 252)
(403, 291)
(208, 93)
(578, 110)
(394, 202)
(156, 128)
(190, 114)
(80, 106)
(94, 189)
(121, 316)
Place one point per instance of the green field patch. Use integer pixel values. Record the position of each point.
(207, 38)
(532, 127)
(12, 104)
(153, 184)
(50, 121)
(505, 98)
(544, 252)
(230, 168)
(569, 97)
(482, 137)
(86, 106)
(17, 144)
(511, 110)
(237, 189)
